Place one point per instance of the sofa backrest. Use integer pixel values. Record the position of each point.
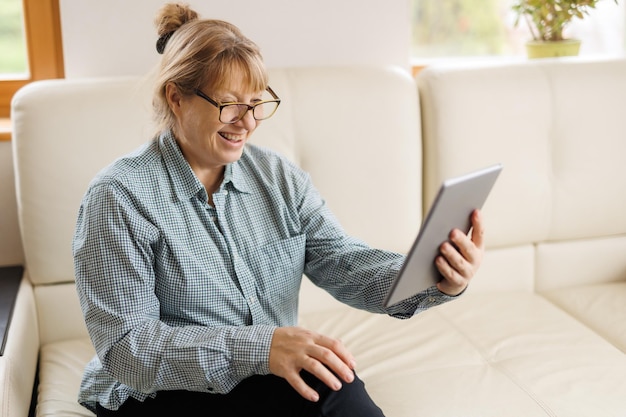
(355, 130)
(556, 216)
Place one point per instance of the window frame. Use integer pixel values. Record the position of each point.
(42, 27)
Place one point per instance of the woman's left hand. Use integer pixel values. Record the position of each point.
(460, 259)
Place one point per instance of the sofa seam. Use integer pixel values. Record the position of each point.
(498, 366)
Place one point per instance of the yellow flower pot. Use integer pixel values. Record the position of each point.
(552, 49)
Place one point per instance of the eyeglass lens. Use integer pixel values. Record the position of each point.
(235, 112)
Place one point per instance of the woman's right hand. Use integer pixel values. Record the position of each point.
(294, 349)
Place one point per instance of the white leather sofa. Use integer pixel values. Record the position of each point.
(540, 332)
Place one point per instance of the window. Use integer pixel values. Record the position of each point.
(461, 28)
(44, 55)
(13, 62)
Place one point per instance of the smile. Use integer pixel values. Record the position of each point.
(232, 137)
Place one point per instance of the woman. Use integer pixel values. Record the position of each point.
(189, 254)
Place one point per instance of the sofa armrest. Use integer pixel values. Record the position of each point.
(18, 363)
(10, 278)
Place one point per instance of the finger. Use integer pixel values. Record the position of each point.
(458, 260)
(455, 275)
(297, 383)
(323, 373)
(294, 349)
(478, 229)
(326, 366)
(314, 364)
(465, 248)
(452, 283)
(337, 357)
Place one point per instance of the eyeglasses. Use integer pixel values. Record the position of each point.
(233, 112)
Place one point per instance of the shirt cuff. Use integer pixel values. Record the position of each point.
(251, 352)
(433, 297)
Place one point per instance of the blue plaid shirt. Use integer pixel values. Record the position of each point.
(178, 294)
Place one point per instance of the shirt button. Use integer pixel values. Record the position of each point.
(252, 299)
(431, 299)
(225, 192)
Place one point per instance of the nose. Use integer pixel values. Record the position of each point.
(248, 121)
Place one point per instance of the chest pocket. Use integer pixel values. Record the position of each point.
(278, 268)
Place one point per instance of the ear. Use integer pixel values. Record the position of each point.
(174, 98)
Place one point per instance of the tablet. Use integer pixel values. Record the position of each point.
(456, 200)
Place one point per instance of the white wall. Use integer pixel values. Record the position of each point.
(117, 37)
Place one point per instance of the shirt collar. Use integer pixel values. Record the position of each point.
(186, 184)
(236, 175)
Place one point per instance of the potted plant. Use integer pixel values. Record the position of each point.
(546, 20)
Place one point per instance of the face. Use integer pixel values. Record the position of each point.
(206, 143)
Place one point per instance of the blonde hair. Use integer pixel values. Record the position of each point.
(199, 53)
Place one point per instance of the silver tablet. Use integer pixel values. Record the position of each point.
(456, 200)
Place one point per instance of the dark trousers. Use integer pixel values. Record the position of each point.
(257, 396)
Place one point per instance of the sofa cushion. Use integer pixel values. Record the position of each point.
(602, 307)
(564, 178)
(562, 155)
(512, 354)
(580, 262)
(102, 119)
(61, 367)
(18, 363)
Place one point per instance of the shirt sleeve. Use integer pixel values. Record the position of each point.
(349, 269)
(115, 277)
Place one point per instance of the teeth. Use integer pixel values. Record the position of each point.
(232, 137)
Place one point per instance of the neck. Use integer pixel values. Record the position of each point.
(210, 178)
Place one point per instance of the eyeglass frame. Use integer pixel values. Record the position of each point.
(220, 106)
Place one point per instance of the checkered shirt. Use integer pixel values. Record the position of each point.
(179, 294)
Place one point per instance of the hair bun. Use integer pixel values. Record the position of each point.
(169, 18)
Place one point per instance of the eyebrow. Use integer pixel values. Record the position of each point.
(226, 98)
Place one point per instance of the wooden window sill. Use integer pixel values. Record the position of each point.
(5, 129)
